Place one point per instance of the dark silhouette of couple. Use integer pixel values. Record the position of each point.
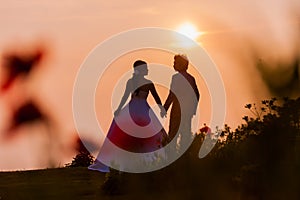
(135, 127)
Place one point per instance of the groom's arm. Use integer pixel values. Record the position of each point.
(170, 97)
(169, 100)
(194, 85)
(196, 89)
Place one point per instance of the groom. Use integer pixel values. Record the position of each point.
(184, 97)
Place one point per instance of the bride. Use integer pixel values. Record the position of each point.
(135, 128)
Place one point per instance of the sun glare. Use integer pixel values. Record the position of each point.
(189, 30)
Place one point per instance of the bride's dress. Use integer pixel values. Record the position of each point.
(134, 140)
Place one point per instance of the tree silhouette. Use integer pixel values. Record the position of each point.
(83, 157)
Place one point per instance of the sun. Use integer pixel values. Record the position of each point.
(189, 30)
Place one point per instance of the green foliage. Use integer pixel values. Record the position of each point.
(263, 153)
(273, 117)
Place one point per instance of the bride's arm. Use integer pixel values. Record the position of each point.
(157, 100)
(154, 94)
(124, 98)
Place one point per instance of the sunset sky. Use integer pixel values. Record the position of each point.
(236, 34)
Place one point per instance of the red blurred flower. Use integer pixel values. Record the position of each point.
(16, 64)
(205, 129)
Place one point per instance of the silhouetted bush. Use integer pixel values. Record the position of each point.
(83, 158)
(262, 155)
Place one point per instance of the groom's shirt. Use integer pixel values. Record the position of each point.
(184, 94)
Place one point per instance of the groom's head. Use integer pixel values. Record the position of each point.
(181, 63)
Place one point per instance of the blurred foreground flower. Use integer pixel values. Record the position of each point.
(15, 65)
(27, 113)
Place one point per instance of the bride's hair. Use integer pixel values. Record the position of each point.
(138, 63)
(135, 74)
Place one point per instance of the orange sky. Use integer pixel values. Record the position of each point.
(70, 29)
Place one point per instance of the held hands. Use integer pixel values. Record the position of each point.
(116, 113)
(163, 112)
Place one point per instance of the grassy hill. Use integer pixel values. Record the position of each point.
(81, 183)
(64, 183)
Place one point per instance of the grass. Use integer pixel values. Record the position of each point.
(64, 183)
(81, 183)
